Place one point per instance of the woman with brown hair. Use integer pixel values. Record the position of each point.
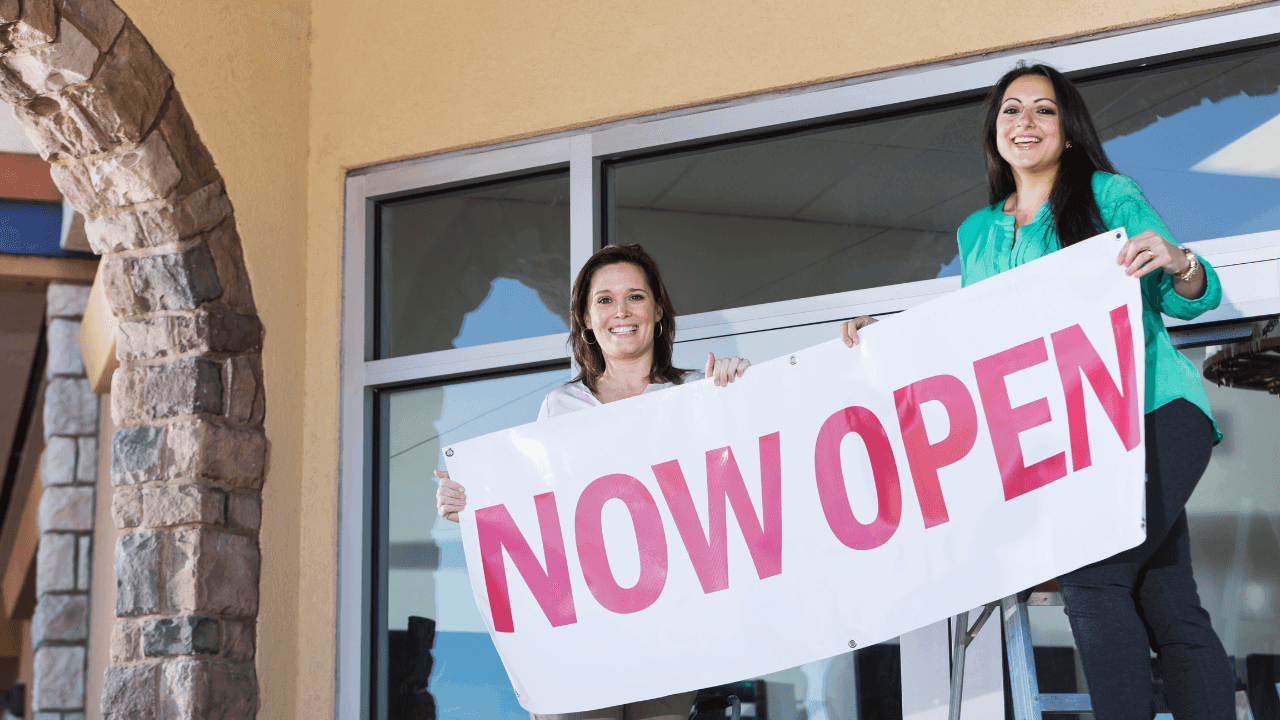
(622, 332)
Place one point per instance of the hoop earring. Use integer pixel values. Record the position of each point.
(1068, 145)
(659, 329)
(584, 338)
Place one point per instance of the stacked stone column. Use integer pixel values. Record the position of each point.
(68, 470)
(189, 458)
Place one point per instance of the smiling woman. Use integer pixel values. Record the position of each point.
(1051, 185)
(622, 334)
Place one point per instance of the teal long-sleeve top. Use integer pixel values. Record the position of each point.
(987, 247)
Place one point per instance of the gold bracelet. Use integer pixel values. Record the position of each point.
(1191, 269)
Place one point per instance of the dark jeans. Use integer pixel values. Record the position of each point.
(1145, 598)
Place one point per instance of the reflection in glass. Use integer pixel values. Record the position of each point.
(1234, 518)
(1178, 132)
(425, 570)
(473, 266)
(823, 212)
(878, 203)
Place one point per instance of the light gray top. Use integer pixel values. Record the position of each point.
(575, 396)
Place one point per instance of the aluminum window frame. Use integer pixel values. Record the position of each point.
(1252, 258)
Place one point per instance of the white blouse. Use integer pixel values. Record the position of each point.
(575, 396)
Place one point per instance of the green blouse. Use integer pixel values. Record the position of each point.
(987, 247)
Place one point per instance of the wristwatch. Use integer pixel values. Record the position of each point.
(1191, 268)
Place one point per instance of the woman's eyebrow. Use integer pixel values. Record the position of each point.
(635, 289)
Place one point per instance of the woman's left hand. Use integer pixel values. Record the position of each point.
(725, 370)
(1148, 252)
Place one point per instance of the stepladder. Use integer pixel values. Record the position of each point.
(1028, 702)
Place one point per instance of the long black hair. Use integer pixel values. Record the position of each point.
(1075, 211)
(587, 353)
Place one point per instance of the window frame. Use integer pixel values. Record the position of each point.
(586, 151)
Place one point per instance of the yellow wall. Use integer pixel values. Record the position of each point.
(242, 69)
(289, 96)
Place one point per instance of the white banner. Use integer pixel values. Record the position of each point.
(967, 449)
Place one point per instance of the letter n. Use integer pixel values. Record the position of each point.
(710, 555)
(1076, 355)
(497, 530)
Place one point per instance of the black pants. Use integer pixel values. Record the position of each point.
(1145, 598)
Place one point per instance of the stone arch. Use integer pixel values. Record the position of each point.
(189, 458)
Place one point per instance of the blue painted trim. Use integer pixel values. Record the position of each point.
(33, 228)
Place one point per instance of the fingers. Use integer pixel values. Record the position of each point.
(1144, 263)
(711, 365)
(1146, 252)
(451, 498)
(849, 329)
(726, 370)
(846, 328)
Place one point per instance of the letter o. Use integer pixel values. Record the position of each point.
(650, 538)
(831, 487)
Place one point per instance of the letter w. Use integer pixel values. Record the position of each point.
(1076, 355)
(497, 530)
(709, 552)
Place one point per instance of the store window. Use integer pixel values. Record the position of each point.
(473, 266)
(435, 648)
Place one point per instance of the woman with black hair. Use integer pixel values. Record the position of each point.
(622, 333)
(1050, 185)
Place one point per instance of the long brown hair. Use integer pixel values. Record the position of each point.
(1075, 211)
(587, 355)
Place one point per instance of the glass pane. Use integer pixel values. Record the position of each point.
(824, 212)
(1202, 140)
(1234, 520)
(878, 203)
(473, 266)
(425, 583)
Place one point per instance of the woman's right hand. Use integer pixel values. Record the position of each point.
(450, 497)
(849, 329)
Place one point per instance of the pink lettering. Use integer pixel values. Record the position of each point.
(924, 458)
(724, 480)
(830, 475)
(1075, 355)
(1005, 422)
(497, 530)
(650, 537)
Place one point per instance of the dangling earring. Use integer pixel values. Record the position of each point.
(659, 329)
(584, 338)
(1068, 144)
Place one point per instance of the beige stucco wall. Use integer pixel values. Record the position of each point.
(288, 96)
